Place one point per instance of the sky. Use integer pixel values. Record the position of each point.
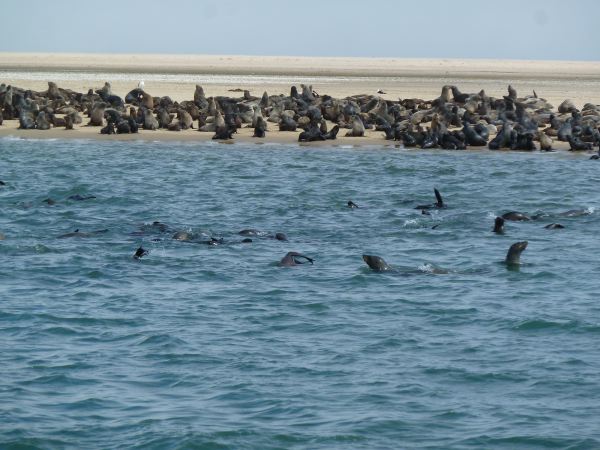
(500, 29)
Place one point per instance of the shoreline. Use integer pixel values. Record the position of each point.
(244, 136)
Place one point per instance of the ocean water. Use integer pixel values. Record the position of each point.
(217, 347)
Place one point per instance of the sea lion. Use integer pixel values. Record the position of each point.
(554, 226)
(294, 259)
(109, 128)
(68, 122)
(260, 128)
(184, 236)
(185, 119)
(513, 257)
(499, 225)
(351, 204)
(472, 137)
(577, 144)
(287, 123)
(41, 122)
(97, 114)
(123, 127)
(134, 96)
(376, 263)
(358, 128)
(147, 101)
(438, 204)
(545, 141)
(223, 133)
(150, 122)
(332, 134)
(213, 241)
(140, 252)
(79, 197)
(575, 213)
(515, 216)
(26, 120)
(250, 232)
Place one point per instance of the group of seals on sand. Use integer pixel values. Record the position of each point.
(454, 120)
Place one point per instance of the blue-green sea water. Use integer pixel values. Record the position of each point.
(217, 347)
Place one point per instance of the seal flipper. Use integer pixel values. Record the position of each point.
(438, 196)
(312, 261)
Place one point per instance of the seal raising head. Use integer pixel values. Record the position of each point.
(513, 257)
(376, 263)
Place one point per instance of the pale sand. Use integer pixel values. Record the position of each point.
(176, 76)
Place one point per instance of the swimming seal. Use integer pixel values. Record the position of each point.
(499, 225)
(575, 213)
(438, 204)
(513, 257)
(554, 226)
(79, 197)
(183, 236)
(376, 263)
(140, 252)
(515, 216)
(294, 259)
(351, 204)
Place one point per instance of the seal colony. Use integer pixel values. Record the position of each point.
(453, 121)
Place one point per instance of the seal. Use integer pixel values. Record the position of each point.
(358, 128)
(183, 236)
(575, 213)
(294, 259)
(554, 226)
(79, 197)
(438, 204)
(515, 216)
(499, 225)
(140, 252)
(376, 263)
(150, 122)
(513, 257)
(250, 232)
(260, 128)
(41, 122)
(351, 204)
(97, 114)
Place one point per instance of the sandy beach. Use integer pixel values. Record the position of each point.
(177, 75)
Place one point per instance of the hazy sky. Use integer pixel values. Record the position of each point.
(512, 29)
